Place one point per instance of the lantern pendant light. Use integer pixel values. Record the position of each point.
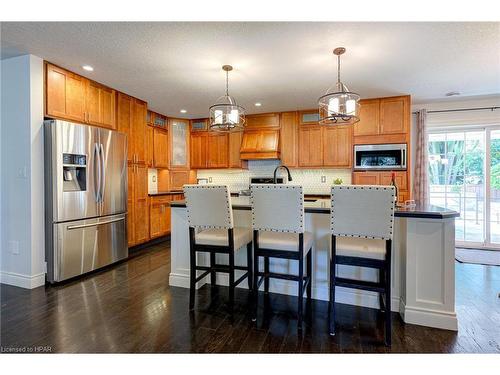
(225, 114)
(338, 106)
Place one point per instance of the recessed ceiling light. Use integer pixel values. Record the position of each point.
(452, 93)
(88, 68)
(258, 104)
(183, 111)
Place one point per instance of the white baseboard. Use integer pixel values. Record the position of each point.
(429, 318)
(22, 281)
(343, 295)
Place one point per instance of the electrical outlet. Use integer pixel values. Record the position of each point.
(323, 179)
(14, 247)
(210, 180)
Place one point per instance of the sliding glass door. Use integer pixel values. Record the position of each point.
(463, 173)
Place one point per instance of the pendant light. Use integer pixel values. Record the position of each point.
(338, 106)
(225, 114)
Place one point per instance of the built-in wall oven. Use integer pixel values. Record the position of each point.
(388, 156)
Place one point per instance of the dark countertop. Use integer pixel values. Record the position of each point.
(322, 206)
(171, 192)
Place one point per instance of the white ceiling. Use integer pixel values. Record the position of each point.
(285, 66)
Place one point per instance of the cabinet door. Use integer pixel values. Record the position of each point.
(289, 139)
(337, 146)
(154, 219)
(160, 148)
(141, 209)
(310, 147)
(365, 178)
(250, 142)
(198, 150)
(124, 121)
(130, 205)
(107, 99)
(138, 133)
(179, 148)
(369, 111)
(400, 177)
(218, 148)
(65, 94)
(150, 146)
(235, 139)
(165, 217)
(263, 121)
(309, 117)
(269, 140)
(394, 115)
(92, 102)
(178, 179)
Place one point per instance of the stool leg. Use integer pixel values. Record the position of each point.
(231, 281)
(212, 273)
(266, 272)
(381, 278)
(301, 292)
(255, 275)
(309, 274)
(250, 266)
(388, 317)
(192, 269)
(332, 288)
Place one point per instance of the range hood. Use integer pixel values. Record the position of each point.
(260, 144)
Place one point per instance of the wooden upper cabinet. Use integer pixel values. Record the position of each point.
(160, 148)
(138, 131)
(337, 146)
(100, 105)
(179, 143)
(64, 94)
(369, 114)
(150, 146)
(235, 161)
(124, 121)
(218, 150)
(263, 121)
(310, 147)
(310, 117)
(394, 115)
(199, 125)
(289, 139)
(198, 150)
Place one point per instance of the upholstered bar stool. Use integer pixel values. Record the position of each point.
(362, 219)
(211, 230)
(278, 232)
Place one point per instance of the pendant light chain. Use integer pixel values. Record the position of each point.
(338, 68)
(227, 83)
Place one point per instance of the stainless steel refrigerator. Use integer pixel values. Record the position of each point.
(85, 198)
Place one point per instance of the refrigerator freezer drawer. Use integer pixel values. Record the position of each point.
(86, 245)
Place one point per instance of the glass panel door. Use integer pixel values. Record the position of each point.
(494, 191)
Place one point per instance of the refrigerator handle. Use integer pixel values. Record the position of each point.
(97, 173)
(103, 171)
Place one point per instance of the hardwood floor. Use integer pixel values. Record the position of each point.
(130, 307)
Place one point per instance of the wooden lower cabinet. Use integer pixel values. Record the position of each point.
(138, 210)
(384, 178)
(159, 216)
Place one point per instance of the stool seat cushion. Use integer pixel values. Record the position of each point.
(284, 241)
(360, 247)
(218, 237)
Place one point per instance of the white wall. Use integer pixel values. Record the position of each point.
(22, 186)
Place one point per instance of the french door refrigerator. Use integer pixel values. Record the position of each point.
(85, 198)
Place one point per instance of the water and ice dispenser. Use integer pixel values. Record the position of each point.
(74, 172)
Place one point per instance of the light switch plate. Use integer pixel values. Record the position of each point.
(323, 179)
(210, 180)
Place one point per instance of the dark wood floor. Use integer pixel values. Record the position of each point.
(131, 308)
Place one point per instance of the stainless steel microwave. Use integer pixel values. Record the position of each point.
(389, 156)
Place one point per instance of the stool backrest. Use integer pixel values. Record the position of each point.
(208, 206)
(277, 208)
(363, 211)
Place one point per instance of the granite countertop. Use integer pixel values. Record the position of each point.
(322, 206)
(169, 192)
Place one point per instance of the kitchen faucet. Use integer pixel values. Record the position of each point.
(275, 180)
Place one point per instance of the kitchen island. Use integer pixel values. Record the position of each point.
(423, 256)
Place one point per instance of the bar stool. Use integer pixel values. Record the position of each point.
(362, 219)
(278, 232)
(211, 230)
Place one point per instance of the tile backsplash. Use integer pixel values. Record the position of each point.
(310, 179)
